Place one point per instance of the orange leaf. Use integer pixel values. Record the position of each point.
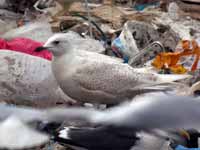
(195, 64)
(170, 60)
(157, 63)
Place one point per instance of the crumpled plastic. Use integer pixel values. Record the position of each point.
(38, 31)
(118, 48)
(137, 36)
(173, 10)
(134, 36)
(172, 60)
(141, 7)
(25, 45)
(180, 147)
(125, 43)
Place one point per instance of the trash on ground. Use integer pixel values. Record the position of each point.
(150, 42)
(24, 45)
(38, 31)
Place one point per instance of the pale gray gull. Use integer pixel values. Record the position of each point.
(98, 79)
(26, 79)
(17, 135)
(145, 112)
(152, 113)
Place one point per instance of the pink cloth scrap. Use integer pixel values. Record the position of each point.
(25, 45)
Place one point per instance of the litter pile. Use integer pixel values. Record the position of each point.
(97, 53)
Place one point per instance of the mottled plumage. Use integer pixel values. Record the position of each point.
(100, 80)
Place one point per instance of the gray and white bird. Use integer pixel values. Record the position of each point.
(146, 112)
(112, 138)
(86, 79)
(17, 135)
(152, 113)
(99, 138)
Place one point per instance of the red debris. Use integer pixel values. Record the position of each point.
(25, 45)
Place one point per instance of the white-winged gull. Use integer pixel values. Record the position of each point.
(99, 80)
(151, 113)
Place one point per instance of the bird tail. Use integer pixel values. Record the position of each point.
(106, 135)
(64, 137)
(164, 78)
(64, 133)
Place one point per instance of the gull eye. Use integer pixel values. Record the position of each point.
(56, 42)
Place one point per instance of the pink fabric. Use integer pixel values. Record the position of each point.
(25, 45)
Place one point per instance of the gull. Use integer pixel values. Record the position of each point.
(112, 138)
(146, 112)
(99, 138)
(26, 79)
(17, 135)
(153, 113)
(99, 80)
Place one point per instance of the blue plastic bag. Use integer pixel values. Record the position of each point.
(141, 7)
(180, 147)
(118, 48)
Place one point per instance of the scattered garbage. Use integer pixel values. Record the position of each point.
(173, 11)
(24, 45)
(38, 31)
(141, 7)
(137, 36)
(153, 38)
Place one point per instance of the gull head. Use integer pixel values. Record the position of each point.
(58, 44)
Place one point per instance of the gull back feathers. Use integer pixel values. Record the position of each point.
(99, 80)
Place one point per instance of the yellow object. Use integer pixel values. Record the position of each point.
(179, 69)
(184, 133)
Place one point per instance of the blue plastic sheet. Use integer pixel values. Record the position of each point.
(118, 48)
(141, 7)
(180, 147)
